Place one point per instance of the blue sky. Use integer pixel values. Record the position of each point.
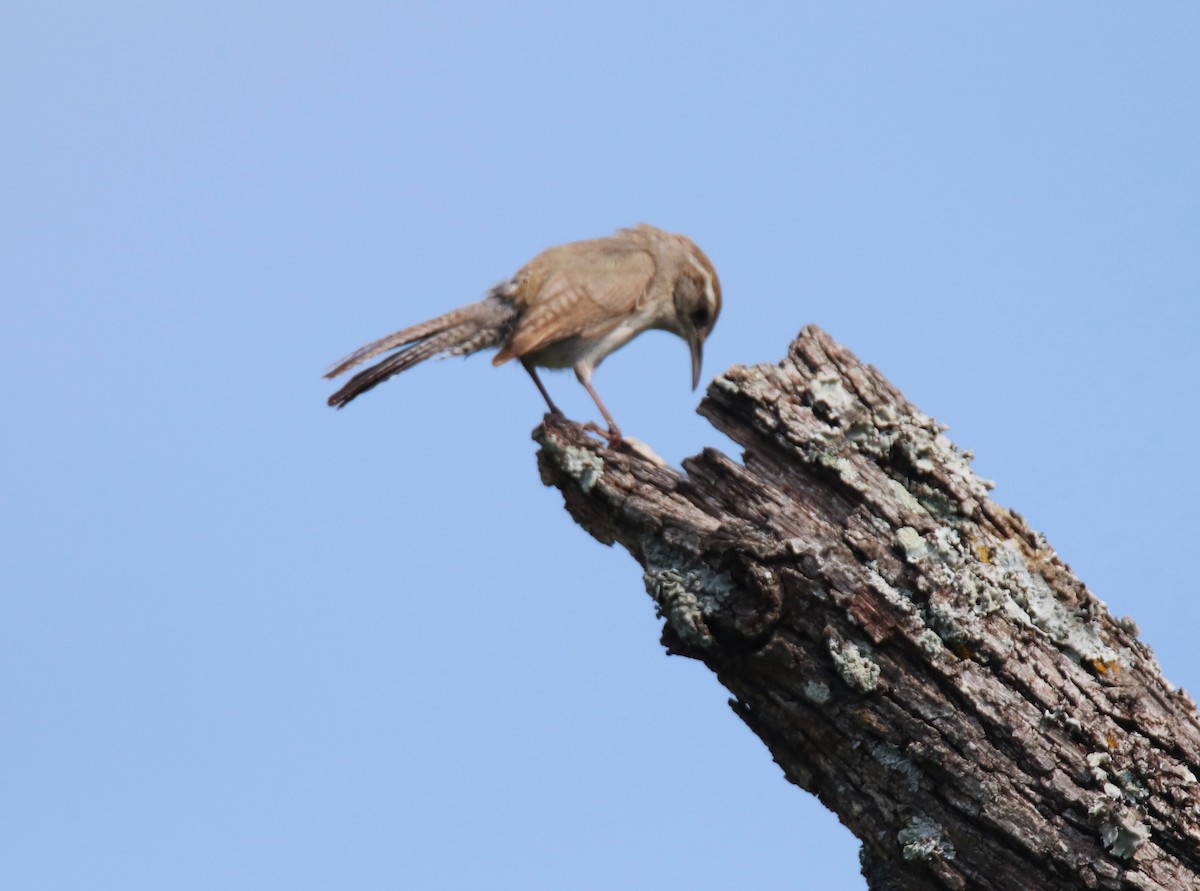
(249, 642)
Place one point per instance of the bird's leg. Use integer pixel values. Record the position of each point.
(554, 410)
(612, 434)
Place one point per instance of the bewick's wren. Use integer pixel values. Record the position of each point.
(568, 307)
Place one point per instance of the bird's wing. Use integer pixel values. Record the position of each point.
(584, 294)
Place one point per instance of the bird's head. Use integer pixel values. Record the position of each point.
(697, 300)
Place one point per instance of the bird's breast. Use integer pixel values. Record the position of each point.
(588, 352)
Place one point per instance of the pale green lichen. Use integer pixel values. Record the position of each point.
(882, 434)
(929, 641)
(924, 839)
(1121, 829)
(905, 497)
(946, 567)
(721, 382)
(1117, 784)
(988, 578)
(856, 668)
(1129, 626)
(817, 692)
(829, 393)
(909, 540)
(1131, 787)
(586, 466)
(843, 468)
(685, 590)
(1058, 716)
(1076, 633)
(890, 757)
(894, 596)
(583, 465)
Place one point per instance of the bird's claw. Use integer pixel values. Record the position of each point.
(612, 434)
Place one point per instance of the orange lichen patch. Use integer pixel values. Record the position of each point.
(1111, 740)
(984, 553)
(872, 721)
(1101, 667)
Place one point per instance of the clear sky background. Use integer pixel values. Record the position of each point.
(248, 642)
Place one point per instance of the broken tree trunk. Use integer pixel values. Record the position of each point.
(910, 652)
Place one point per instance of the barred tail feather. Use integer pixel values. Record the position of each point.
(398, 339)
(457, 333)
(379, 372)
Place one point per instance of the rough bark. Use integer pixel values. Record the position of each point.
(910, 652)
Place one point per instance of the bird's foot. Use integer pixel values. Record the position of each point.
(612, 434)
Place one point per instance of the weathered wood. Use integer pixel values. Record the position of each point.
(911, 652)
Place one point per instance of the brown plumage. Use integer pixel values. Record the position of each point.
(568, 307)
(459, 332)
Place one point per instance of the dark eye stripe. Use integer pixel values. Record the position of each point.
(705, 279)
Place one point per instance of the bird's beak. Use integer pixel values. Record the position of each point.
(697, 347)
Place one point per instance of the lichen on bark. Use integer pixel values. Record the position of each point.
(908, 650)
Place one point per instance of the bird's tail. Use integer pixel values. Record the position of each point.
(459, 332)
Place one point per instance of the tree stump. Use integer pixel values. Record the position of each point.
(909, 651)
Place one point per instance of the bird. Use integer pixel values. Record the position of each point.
(568, 307)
